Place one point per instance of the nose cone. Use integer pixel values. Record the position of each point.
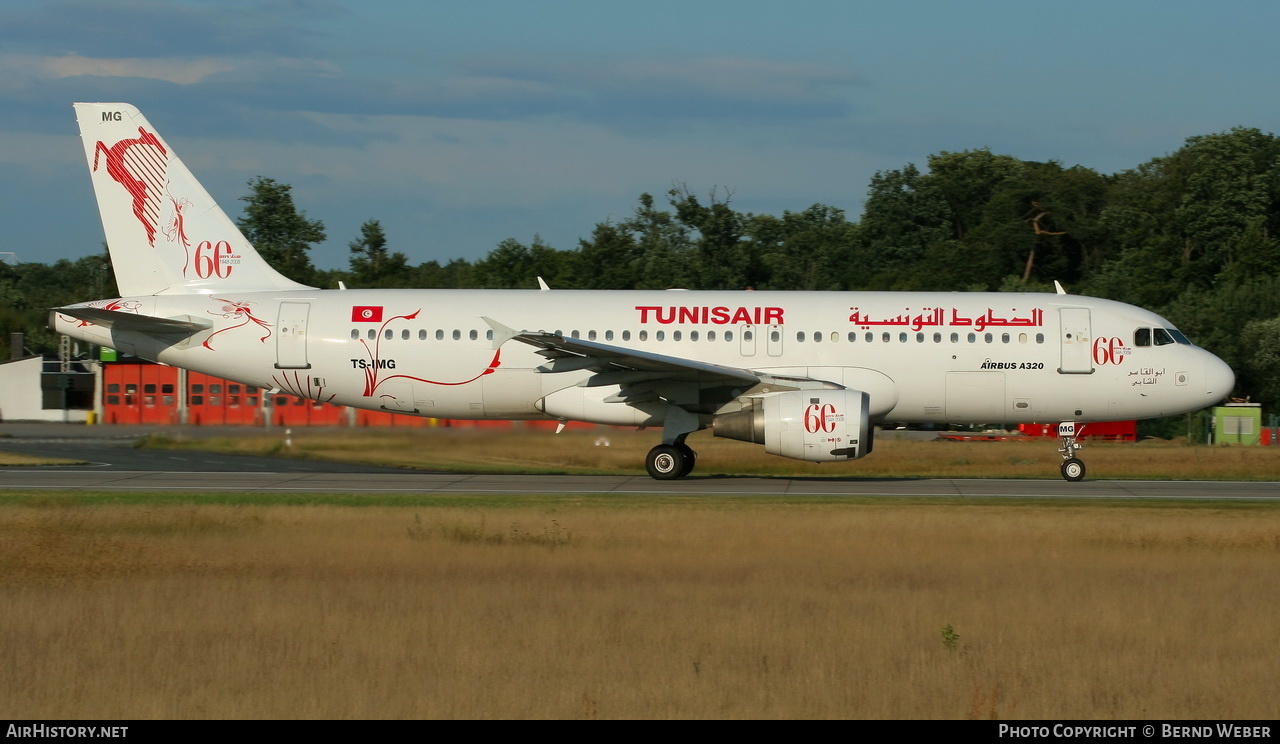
(1219, 380)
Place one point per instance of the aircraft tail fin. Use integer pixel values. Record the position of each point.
(165, 234)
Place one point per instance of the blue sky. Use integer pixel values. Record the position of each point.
(460, 124)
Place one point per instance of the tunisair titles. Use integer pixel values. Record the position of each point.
(928, 317)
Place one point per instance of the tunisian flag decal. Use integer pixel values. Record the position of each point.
(366, 314)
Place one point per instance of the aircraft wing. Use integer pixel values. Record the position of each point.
(620, 364)
(645, 375)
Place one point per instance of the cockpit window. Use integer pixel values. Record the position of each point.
(1162, 337)
(1177, 336)
(1142, 337)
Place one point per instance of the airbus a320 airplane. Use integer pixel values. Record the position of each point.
(806, 374)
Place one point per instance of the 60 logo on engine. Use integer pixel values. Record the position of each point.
(821, 418)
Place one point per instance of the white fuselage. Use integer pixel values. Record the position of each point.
(921, 357)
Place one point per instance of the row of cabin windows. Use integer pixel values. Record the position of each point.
(747, 336)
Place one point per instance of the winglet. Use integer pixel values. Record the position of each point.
(542, 285)
(501, 333)
(1058, 287)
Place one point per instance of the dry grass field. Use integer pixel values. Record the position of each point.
(15, 459)
(628, 608)
(516, 451)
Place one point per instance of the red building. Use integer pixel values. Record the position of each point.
(145, 393)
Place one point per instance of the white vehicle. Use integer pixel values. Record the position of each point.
(806, 374)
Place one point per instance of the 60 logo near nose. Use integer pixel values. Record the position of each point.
(1109, 350)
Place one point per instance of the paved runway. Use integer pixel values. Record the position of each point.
(116, 465)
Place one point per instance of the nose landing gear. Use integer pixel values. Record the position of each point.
(1068, 435)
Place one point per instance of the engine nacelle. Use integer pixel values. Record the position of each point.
(813, 425)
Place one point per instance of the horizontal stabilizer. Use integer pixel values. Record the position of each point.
(117, 320)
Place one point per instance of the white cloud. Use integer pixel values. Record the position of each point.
(183, 71)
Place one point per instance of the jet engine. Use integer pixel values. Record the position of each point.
(813, 425)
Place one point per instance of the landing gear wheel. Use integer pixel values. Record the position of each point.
(690, 459)
(667, 462)
(1073, 469)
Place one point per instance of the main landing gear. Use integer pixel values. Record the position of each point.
(673, 458)
(670, 461)
(1068, 435)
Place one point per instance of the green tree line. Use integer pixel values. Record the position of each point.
(1192, 235)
